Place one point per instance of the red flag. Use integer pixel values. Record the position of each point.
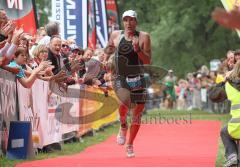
(91, 25)
(112, 16)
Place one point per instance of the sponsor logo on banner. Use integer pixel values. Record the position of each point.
(101, 23)
(72, 16)
(22, 12)
(58, 14)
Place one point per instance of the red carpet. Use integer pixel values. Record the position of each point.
(165, 145)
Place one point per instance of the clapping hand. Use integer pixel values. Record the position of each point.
(8, 28)
(43, 66)
(17, 36)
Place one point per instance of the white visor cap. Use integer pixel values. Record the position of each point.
(130, 13)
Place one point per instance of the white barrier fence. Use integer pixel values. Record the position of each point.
(49, 118)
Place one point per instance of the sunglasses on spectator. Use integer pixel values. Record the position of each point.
(65, 46)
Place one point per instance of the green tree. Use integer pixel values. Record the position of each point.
(43, 11)
(184, 36)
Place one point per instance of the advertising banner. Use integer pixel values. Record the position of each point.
(72, 16)
(22, 12)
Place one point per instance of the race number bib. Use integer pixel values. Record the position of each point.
(135, 83)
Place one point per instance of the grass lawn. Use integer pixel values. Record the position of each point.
(73, 148)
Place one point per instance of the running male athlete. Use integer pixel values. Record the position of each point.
(133, 49)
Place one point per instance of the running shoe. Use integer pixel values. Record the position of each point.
(121, 137)
(129, 150)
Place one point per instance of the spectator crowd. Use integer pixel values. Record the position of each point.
(191, 92)
(48, 57)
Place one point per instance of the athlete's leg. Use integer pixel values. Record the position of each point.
(124, 103)
(135, 123)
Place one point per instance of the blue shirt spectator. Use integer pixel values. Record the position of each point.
(21, 73)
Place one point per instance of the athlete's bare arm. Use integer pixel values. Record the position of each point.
(145, 51)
